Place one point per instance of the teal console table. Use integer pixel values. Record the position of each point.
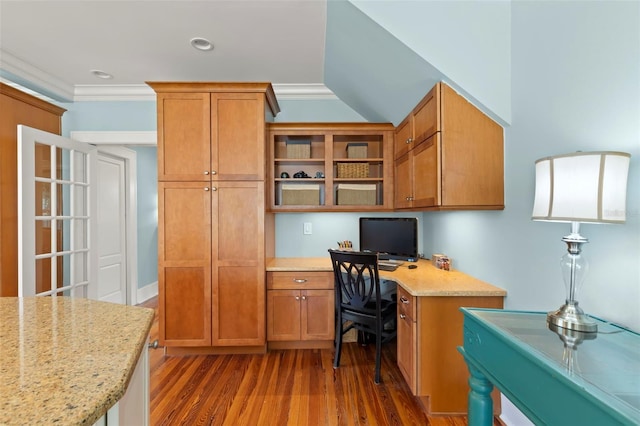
(555, 377)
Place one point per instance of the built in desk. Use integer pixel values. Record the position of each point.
(429, 325)
(554, 377)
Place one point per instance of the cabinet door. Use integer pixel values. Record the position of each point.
(283, 321)
(426, 116)
(238, 136)
(238, 250)
(407, 338)
(403, 182)
(317, 315)
(184, 256)
(403, 137)
(184, 140)
(426, 173)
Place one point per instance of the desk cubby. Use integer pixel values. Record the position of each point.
(336, 158)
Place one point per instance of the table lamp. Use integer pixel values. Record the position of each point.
(587, 187)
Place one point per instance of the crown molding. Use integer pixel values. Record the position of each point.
(313, 91)
(33, 78)
(39, 81)
(142, 92)
(113, 92)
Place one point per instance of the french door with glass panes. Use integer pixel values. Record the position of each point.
(57, 209)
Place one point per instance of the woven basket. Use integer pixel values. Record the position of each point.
(357, 150)
(353, 170)
(356, 195)
(298, 149)
(300, 194)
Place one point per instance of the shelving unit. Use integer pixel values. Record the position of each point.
(334, 180)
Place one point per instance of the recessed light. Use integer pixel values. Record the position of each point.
(101, 74)
(201, 44)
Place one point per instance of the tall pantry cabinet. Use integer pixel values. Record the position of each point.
(16, 107)
(213, 229)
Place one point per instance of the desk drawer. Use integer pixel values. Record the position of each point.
(406, 303)
(300, 280)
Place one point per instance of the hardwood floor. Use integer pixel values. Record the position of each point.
(282, 387)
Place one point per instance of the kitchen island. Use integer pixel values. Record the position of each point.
(66, 360)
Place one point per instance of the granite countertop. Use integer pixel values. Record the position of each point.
(66, 361)
(425, 280)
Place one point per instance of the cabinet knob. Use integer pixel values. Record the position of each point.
(299, 280)
(213, 188)
(402, 316)
(404, 300)
(206, 189)
(206, 172)
(304, 297)
(297, 297)
(213, 172)
(408, 141)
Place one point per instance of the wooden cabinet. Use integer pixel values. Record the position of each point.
(348, 166)
(300, 309)
(462, 164)
(213, 232)
(16, 107)
(429, 331)
(214, 131)
(407, 338)
(184, 263)
(238, 265)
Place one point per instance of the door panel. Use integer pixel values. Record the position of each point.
(184, 260)
(283, 308)
(317, 315)
(237, 136)
(426, 187)
(184, 152)
(112, 274)
(238, 278)
(57, 212)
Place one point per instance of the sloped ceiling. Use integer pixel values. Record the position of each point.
(302, 46)
(369, 69)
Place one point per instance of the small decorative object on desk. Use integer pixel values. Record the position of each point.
(441, 261)
(345, 245)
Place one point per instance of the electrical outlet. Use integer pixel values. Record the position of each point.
(307, 229)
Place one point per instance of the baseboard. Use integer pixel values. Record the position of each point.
(147, 292)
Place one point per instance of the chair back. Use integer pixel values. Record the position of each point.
(356, 280)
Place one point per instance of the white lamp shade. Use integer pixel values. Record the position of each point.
(582, 187)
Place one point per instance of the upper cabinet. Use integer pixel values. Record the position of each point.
(448, 155)
(214, 131)
(331, 166)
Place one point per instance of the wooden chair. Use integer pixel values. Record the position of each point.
(358, 305)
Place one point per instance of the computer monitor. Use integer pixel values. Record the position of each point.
(390, 237)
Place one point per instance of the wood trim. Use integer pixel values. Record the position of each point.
(219, 87)
(31, 100)
(324, 128)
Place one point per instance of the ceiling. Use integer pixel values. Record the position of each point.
(52, 46)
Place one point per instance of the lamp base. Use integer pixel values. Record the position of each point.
(571, 317)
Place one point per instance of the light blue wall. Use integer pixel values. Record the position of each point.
(467, 41)
(109, 116)
(147, 165)
(330, 110)
(128, 116)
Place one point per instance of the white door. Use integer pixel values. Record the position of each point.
(112, 229)
(57, 205)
